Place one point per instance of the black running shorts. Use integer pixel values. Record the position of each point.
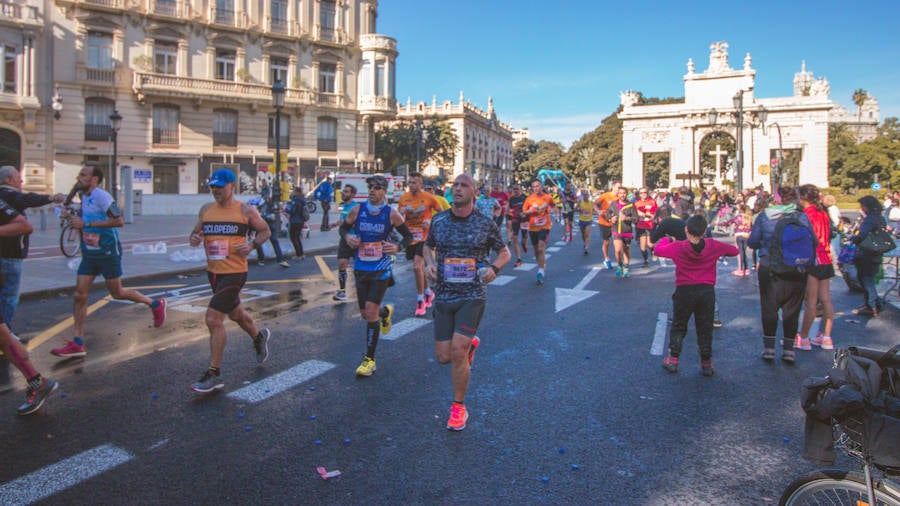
(226, 290)
(371, 286)
(538, 235)
(460, 317)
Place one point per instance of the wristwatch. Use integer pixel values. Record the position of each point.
(495, 269)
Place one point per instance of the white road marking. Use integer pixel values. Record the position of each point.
(587, 278)
(57, 477)
(525, 267)
(268, 387)
(659, 335)
(404, 327)
(558, 243)
(566, 297)
(502, 280)
(553, 249)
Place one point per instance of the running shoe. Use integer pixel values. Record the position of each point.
(738, 272)
(386, 319)
(585, 251)
(746, 272)
(71, 349)
(458, 417)
(706, 368)
(619, 272)
(540, 278)
(787, 356)
(518, 263)
(284, 263)
(340, 296)
(670, 364)
(260, 263)
(420, 308)
(159, 313)
(366, 368)
(34, 398)
(768, 354)
(625, 273)
(717, 324)
(801, 344)
(824, 342)
(429, 298)
(864, 310)
(474, 346)
(261, 345)
(607, 264)
(646, 264)
(207, 383)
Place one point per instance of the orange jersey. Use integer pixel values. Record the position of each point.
(541, 219)
(416, 209)
(603, 203)
(223, 229)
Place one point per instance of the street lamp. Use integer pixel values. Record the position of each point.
(775, 172)
(115, 122)
(738, 102)
(278, 103)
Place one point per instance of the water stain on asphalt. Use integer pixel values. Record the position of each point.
(282, 304)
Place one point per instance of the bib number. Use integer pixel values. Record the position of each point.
(459, 270)
(91, 240)
(418, 234)
(217, 249)
(540, 221)
(370, 251)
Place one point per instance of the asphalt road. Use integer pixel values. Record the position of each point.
(566, 407)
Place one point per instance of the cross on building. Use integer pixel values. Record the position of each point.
(718, 153)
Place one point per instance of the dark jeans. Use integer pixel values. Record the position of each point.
(275, 245)
(326, 206)
(296, 230)
(742, 247)
(697, 300)
(784, 294)
(865, 273)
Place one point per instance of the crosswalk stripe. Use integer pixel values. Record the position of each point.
(275, 384)
(404, 327)
(66, 473)
(502, 280)
(525, 267)
(553, 249)
(659, 336)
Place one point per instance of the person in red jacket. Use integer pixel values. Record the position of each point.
(695, 280)
(818, 279)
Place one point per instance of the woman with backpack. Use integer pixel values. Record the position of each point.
(868, 262)
(818, 280)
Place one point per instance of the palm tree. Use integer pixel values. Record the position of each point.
(859, 98)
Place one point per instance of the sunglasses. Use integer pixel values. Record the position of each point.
(376, 187)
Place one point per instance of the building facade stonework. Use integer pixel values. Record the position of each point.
(797, 124)
(192, 80)
(485, 149)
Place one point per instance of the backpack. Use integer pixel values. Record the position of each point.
(304, 211)
(792, 249)
(298, 208)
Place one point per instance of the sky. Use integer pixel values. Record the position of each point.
(557, 68)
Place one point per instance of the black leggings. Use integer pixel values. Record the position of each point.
(741, 243)
(699, 300)
(295, 231)
(786, 295)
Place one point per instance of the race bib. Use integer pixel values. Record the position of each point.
(459, 270)
(370, 251)
(540, 221)
(217, 249)
(524, 225)
(91, 240)
(418, 234)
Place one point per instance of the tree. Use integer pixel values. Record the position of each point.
(859, 98)
(656, 170)
(547, 155)
(708, 161)
(855, 165)
(890, 128)
(395, 144)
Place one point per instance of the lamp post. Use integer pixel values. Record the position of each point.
(775, 172)
(738, 100)
(418, 142)
(115, 122)
(278, 103)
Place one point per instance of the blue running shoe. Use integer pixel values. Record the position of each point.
(618, 272)
(608, 264)
(540, 279)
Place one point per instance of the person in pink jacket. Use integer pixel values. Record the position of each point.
(695, 280)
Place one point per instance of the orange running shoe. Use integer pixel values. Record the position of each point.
(458, 417)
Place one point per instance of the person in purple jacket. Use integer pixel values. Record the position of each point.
(695, 280)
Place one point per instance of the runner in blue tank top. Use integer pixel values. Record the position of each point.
(367, 229)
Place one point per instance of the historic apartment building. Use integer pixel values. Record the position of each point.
(192, 81)
(485, 148)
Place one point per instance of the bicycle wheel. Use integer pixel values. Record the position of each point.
(69, 241)
(311, 206)
(833, 487)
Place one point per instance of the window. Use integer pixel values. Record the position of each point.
(225, 127)
(225, 65)
(366, 78)
(284, 134)
(327, 134)
(165, 124)
(8, 70)
(165, 179)
(225, 12)
(279, 16)
(166, 7)
(327, 15)
(96, 119)
(99, 51)
(164, 57)
(278, 68)
(327, 72)
(379, 78)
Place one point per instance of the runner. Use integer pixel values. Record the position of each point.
(585, 217)
(429, 187)
(371, 224)
(515, 222)
(646, 210)
(223, 227)
(101, 253)
(538, 207)
(416, 207)
(344, 251)
(622, 215)
(463, 240)
(600, 207)
(569, 200)
(503, 199)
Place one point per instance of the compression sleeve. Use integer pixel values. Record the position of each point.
(407, 235)
(345, 229)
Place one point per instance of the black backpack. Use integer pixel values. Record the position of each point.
(792, 249)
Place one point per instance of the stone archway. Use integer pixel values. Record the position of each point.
(10, 148)
(714, 153)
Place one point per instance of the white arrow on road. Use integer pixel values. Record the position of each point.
(566, 297)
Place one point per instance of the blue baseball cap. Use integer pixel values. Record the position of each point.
(221, 177)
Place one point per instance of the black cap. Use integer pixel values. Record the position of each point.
(381, 180)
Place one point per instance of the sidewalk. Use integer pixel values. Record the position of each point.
(47, 271)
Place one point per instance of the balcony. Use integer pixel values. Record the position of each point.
(169, 86)
(326, 144)
(27, 14)
(377, 106)
(375, 42)
(106, 3)
(225, 139)
(96, 77)
(97, 132)
(224, 17)
(167, 136)
(279, 25)
(330, 34)
(284, 144)
(166, 7)
(330, 99)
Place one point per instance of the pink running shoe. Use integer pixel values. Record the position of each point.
(420, 308)
(824, 342)
(429, 298)
(159, 313)
(71, 349)
(801, 344)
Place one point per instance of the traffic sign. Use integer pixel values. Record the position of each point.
(876, 186)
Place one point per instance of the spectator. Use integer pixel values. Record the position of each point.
(324, 194)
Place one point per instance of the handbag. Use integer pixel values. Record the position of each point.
(877, 242)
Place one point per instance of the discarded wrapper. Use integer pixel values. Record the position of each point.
(327, 474)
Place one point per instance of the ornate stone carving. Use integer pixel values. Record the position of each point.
(629, 98)
(820, 88)
(718, 58)
(655, 137)
(690, 65)
(747, 62)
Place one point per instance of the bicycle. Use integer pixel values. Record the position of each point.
(851, 488)
(69, 237)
